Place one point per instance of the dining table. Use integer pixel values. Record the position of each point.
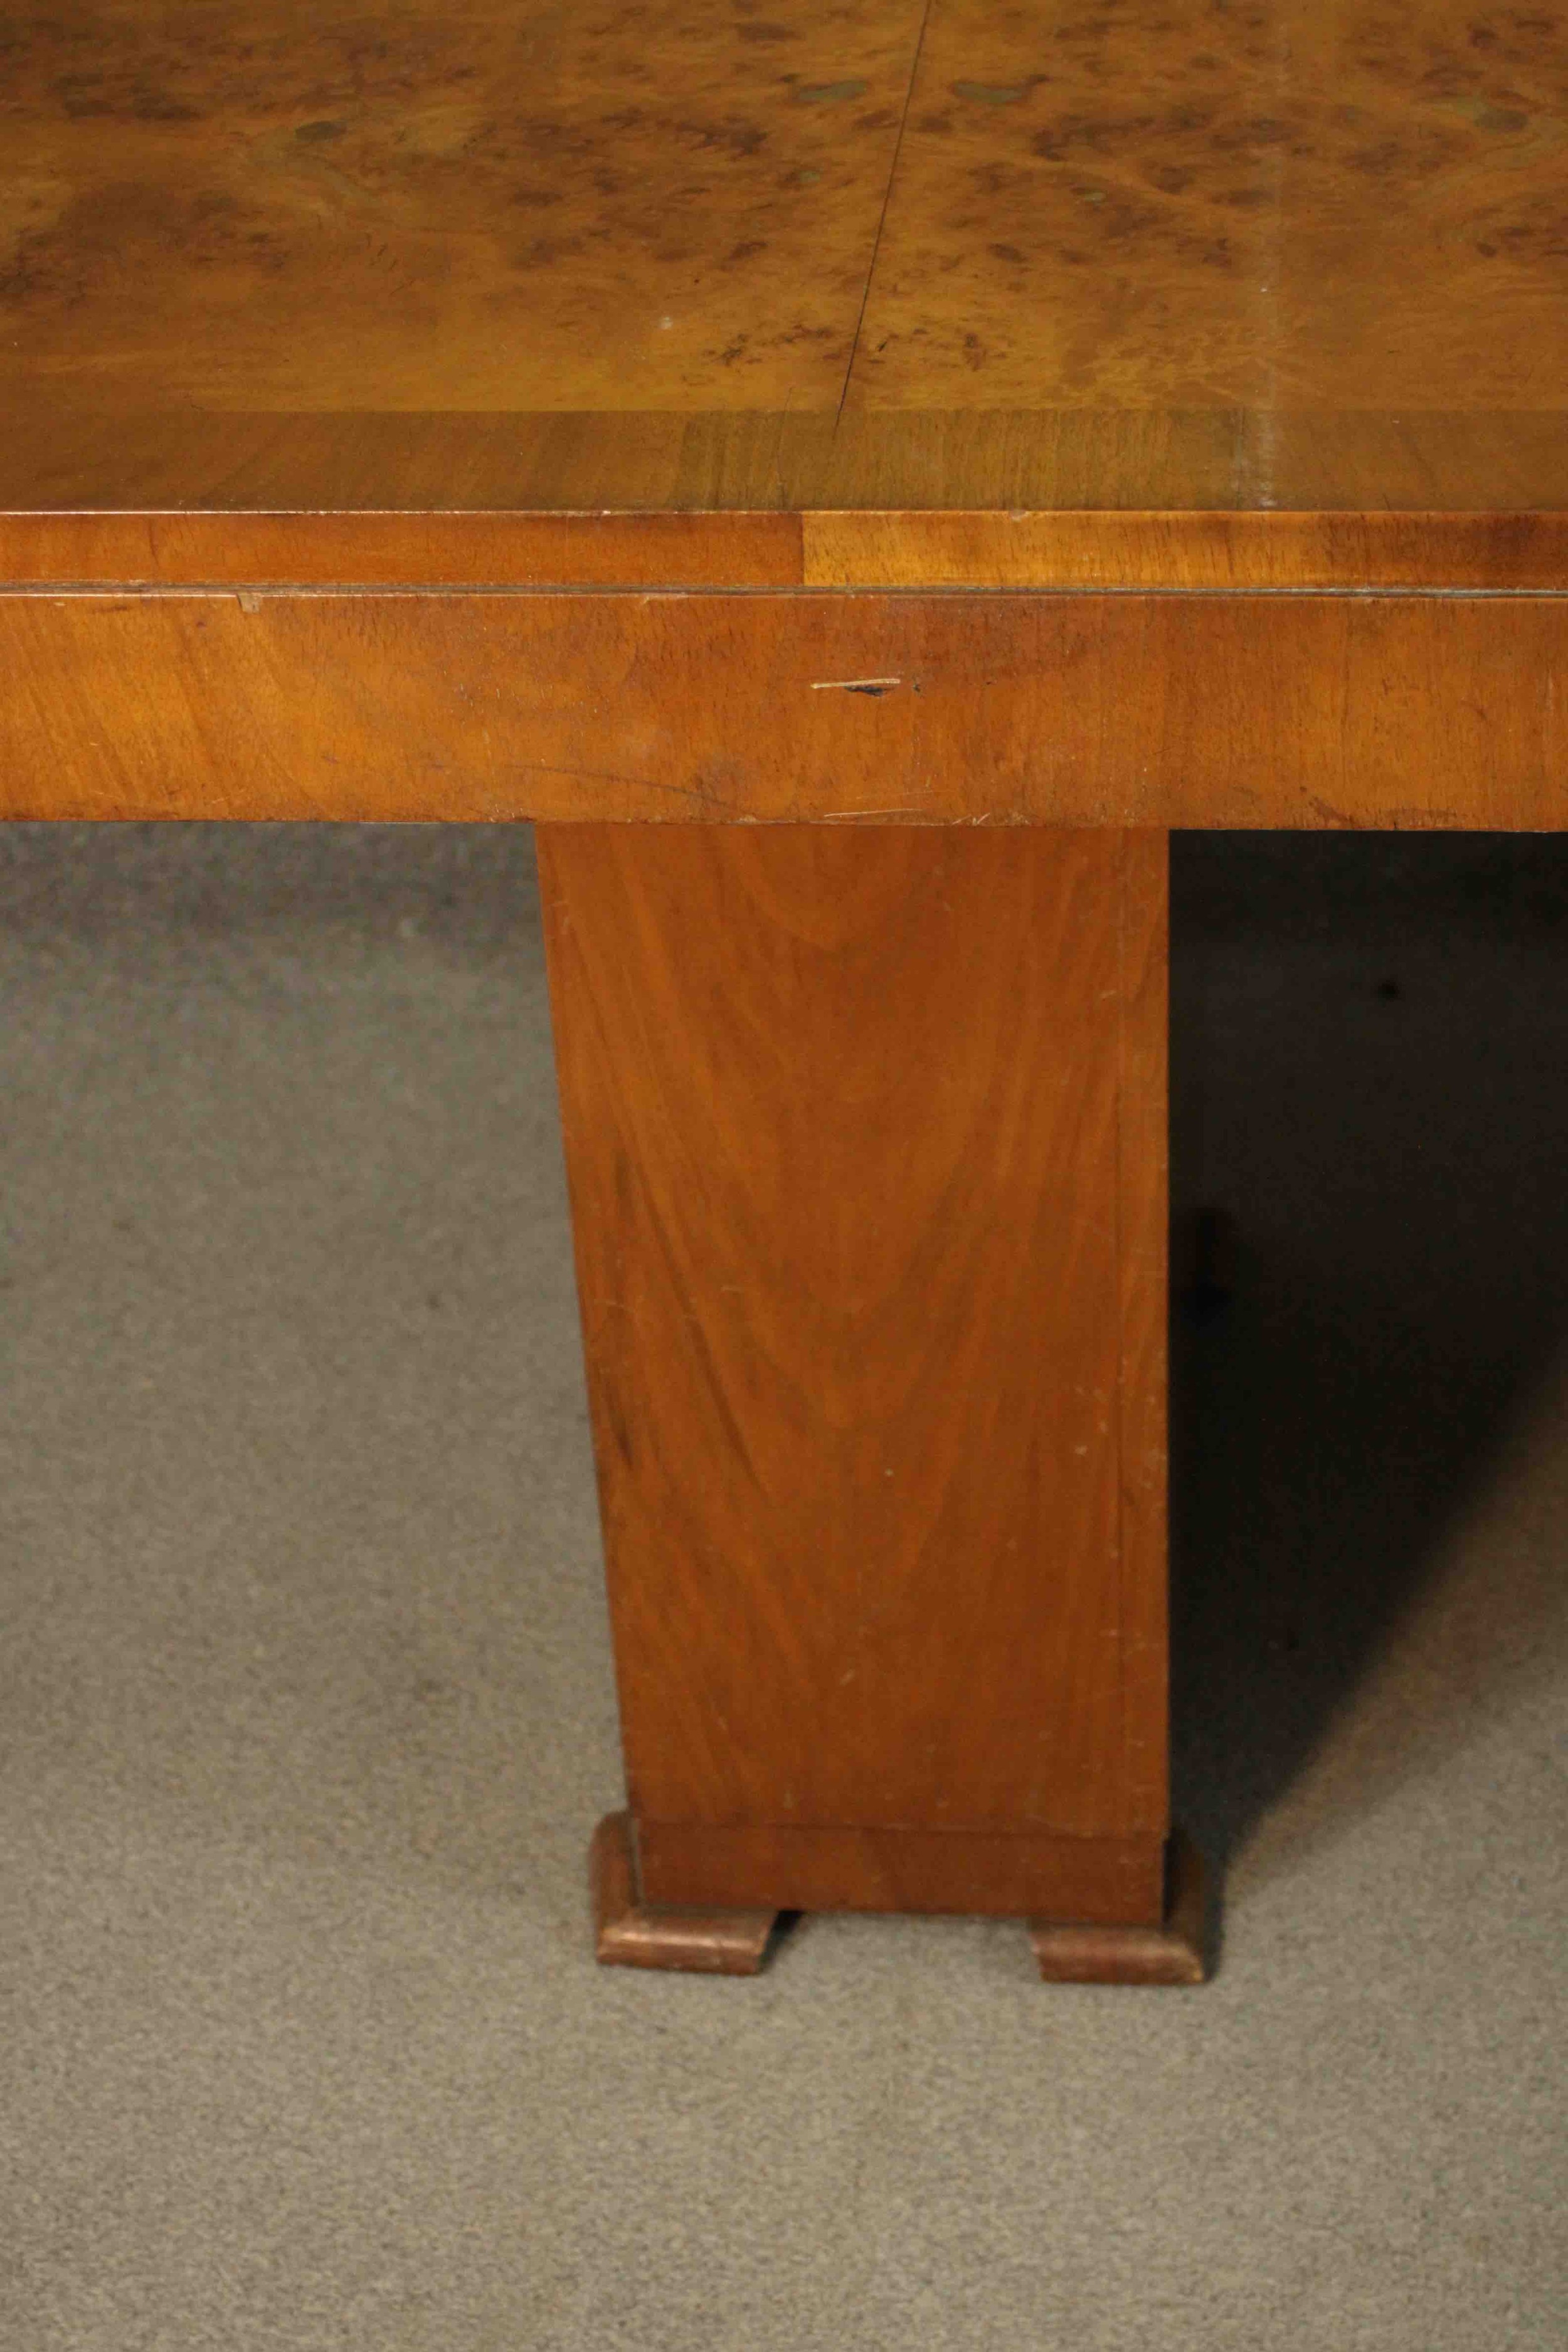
(856, 475)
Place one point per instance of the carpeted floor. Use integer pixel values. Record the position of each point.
(307, 1711)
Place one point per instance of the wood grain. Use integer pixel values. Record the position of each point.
(844, 1121)
(437, 551)
(1329, 206)
(59, 454)
(894, 256)
(1205, 552)
(1251, 710)
(1222, 552)
(483, 206)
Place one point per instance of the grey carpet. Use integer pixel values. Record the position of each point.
(307, 1710)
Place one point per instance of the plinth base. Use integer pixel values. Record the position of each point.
(716, 1943)
(1171, 1954)
(630, 1934)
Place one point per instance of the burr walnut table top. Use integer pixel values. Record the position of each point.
(856, 313)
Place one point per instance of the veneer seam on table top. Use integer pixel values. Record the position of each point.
(882, 215)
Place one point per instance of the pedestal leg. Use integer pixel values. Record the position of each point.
(866, 1139)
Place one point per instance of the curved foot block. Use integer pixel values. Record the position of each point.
(717, 1943)
(1171, 1954)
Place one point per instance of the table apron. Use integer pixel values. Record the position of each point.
(1015, 707)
